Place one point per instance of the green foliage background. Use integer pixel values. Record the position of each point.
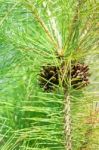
(29, 117)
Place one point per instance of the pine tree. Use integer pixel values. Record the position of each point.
(49, 75)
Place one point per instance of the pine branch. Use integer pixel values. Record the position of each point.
(55, 29)
(67, 118)
(41, 22)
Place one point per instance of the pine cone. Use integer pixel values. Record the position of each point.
(79, 75)
(49, 77)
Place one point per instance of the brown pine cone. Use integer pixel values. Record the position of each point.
(49, 77)
(79, 75)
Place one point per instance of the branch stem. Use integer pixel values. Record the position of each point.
(67, 119)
